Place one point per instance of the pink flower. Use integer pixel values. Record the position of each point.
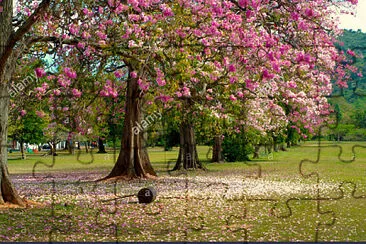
(233, 79)
(63, 82)
(109, 22)
(23, 112)
(232, 97)
(354, 2)
(186, 92)
(40, 72)
(101, 35)
(240, 94)
(167, 11)
(118, 74)
(134, 74)
(292, 84)
(57, 92)
(309, 12)
(164, 98)
(350, 52)
(74, 29)
(243, 3)
(111, 3)
(232, 68)
(267, 75)
(85, 35)
(295, 16)
(194, 79)
(208, 97)
(87, 12)
(40, 114)
(160, 77)
(40, 89)
(70, 73)
(45, 85)
(76, 93)
(161, 82)
(104, 93)
(143, 85)
(81, 45)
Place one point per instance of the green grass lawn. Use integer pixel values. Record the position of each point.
(285, 196)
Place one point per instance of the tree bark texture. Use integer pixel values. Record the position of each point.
(256, 151)
(133, 160)
(188, 156)
(101, 147)
(217, 156)
(7, 190)
(22, 150)
(7, 66)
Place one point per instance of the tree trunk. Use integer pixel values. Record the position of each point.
(256, 151)
(188, 156)
(275, 144)
(217, 156)
(268, 148)
(71, 147)
(67, 146)
(22, 149)
(282, 147)
(87, 146)
(11, 51)
(7, 190)
(178, 164)
(101, 146)
(133, 160)
(54, 148)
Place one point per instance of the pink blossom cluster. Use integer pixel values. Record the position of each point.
(259, 56)
(109, 90)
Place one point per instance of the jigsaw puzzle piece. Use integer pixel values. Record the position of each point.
(106, 210)
(349, 208)
(332, 159)
(292, 220)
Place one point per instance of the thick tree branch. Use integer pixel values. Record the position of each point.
(24, 29)
(19, 34)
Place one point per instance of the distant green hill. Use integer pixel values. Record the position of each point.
(355, 41)
(351, 102)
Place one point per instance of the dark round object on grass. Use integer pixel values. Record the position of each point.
(146, 195)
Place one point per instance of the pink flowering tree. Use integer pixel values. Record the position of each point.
(276, 54)
(240, 47)
(168, 47)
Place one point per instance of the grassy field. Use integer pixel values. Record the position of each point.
(304, 194)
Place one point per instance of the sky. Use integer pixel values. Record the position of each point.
(355, 22)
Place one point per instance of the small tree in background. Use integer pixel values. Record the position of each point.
(27, 129)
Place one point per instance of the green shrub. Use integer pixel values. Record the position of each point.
(236, 147)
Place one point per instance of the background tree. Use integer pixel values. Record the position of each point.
(28, 128)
